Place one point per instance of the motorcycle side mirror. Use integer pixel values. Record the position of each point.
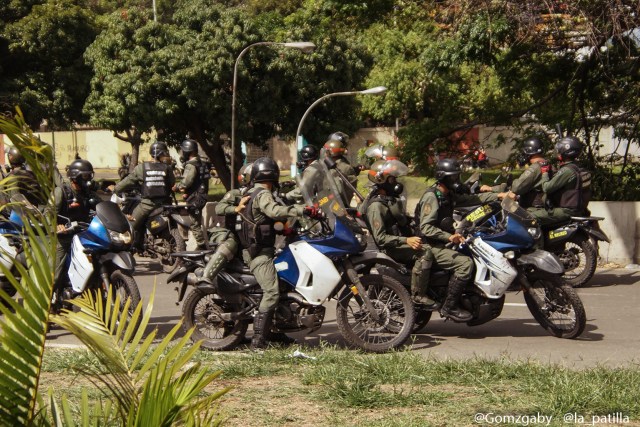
(330, 163)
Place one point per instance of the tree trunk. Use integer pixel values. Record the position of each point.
(215, 153)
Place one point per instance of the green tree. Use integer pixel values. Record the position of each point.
(41, 48)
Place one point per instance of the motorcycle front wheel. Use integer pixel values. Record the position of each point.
(394, 307)
(204, 310)
(556, 306)
(579, 259)
(173, 242)
(126, 287)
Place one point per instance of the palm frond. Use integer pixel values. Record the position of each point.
(24, 325)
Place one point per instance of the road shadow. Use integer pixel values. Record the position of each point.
(147, 267)
(614, 277)
(515, 328)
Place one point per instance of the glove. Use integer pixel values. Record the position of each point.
(545, 167)
(312, 212)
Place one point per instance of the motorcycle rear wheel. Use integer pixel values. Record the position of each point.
(579, 260)
(203, 310)
(391, 301)
(175, 243)
(556, 306)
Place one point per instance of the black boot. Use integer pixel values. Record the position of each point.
(281, 338)
(451, 309)
(420, 285)
(261, 328)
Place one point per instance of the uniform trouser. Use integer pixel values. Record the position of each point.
(196, 228)
(547, 217)
(265, 272)
(62, 252)
(453, 261)
(422, 261)
(140, 215)
(226, 248)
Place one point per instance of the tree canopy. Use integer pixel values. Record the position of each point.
(448, 66)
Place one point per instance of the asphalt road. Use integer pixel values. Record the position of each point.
(611, 337)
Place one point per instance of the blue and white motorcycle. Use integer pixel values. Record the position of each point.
(100, 257)
(10, 248)
(320, 261)
(501, 239)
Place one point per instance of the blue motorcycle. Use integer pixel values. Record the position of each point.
(501, 239)
(100, 257)
(320, 259)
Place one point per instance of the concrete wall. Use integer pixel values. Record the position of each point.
(622, 225)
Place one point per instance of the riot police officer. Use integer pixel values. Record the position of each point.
(195, 186)
(224, 234)
(74, 202)
(156, 180)
(391, 228)
(310, 174)
(336, 148)
(257, 236)
(569, 191)
(432, 211)
(24, 181)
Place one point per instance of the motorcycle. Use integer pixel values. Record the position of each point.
(100, 257)
(163, 236)
(10, 249)
(574, 242)
(320, 261)
(500, 238)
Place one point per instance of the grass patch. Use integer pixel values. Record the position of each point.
(343, 387)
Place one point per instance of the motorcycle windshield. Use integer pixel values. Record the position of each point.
(513, 209)
(323, 190)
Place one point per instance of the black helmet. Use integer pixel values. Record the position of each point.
(80, 169)
(265, 169)
(14, 157)
(569, 148)
(308, 152)
(189, 146)
(531, 146)
(158, 149)
(447, 167)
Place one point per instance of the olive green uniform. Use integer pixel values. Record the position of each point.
(563, 180)
(430, 218)
(141, 212)
(223, 237)
(261, 265)
(74, 205)
(189, 181)
(343, 165)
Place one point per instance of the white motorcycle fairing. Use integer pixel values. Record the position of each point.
(7, 253)
(318, 275)
(494, 273)
(80, 268)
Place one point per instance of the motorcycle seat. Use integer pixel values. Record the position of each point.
(156, 212)
(547, 227)
(587, 218)
(192, 254)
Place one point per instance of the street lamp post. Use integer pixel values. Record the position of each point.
(378, 90)
(304, 47)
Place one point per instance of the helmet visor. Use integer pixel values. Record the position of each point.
(375, 151)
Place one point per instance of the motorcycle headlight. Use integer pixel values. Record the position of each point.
(362, 240)
(534, 232)
(120, 238)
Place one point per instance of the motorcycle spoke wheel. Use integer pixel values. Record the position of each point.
(393, 305)
(173, 242)
(579, 261)
(556, 306)
(204, 310)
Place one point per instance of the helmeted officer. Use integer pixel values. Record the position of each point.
(336, 147)
(74, 202)
(24, 181)
(156, 180)
(257, 236)
(434, 207)
(224, 235)
(569, 191)
(311, 175)
(195, 187)
(391, 228)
